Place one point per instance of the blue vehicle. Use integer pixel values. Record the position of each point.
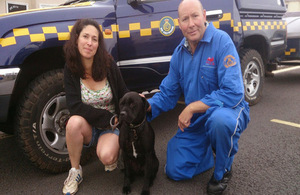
(141, 36)
(292, 54)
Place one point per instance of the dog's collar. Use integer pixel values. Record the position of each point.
(132, 126)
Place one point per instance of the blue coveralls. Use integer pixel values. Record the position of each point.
(212, 75)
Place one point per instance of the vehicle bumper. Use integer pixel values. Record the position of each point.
(292, 51)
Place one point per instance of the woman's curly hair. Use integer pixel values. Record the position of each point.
(102, 58)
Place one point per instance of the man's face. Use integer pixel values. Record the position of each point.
(192, 20)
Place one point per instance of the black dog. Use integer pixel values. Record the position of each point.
(136, 140)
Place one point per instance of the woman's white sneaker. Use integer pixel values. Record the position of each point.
(73, 180)
(109, 168)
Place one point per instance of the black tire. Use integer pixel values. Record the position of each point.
(40, 125)
(253, 75)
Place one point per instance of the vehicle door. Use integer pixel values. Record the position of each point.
(148, 33)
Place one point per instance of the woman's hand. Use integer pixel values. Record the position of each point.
(114, 122)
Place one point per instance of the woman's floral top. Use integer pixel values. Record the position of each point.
(98, 99)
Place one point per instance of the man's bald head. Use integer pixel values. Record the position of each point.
(186, 1)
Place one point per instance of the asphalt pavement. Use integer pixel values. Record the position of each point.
(268, 161)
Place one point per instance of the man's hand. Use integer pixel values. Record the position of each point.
(149, 108)
(184, 119)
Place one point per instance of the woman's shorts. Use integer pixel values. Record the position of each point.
(96, 133)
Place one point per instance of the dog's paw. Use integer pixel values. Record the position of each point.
(126, 190)
(145, 192)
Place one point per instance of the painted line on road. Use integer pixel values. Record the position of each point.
(286, 123)
(286, 69)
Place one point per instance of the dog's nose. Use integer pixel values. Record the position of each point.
(123, 113)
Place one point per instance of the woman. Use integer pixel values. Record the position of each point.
(93, 85)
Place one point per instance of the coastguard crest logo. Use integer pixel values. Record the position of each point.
(229, 60)
(167, 26)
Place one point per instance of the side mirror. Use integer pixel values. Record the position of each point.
(214, 15)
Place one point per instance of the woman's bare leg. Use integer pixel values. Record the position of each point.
(108, 148)
(78, 132)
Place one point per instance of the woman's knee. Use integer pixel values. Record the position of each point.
(106, 156)
(108, 148)
(75, 123)
(78, 126)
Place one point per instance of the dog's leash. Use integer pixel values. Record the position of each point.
(133, 129)
(113, 126)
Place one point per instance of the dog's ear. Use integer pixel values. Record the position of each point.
(146, 103)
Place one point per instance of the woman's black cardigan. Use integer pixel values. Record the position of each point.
(95, 117)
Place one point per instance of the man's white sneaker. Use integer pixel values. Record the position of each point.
(109, 168)
(73, 180)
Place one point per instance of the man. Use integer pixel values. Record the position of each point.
(205, 68)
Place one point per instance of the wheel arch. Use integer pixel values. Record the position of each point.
(34, 65)
(258, 43)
